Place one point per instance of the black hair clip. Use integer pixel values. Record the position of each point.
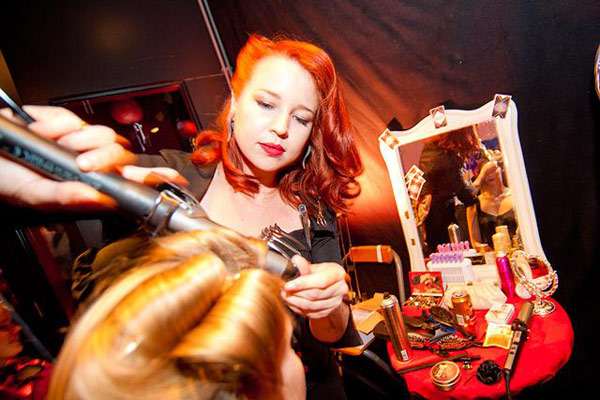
(489, 372)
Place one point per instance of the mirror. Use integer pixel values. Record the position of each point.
(537, 277)
(438, 169)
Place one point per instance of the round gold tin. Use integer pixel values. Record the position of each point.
(445, 375)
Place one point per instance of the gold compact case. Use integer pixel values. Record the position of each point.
(445, 375)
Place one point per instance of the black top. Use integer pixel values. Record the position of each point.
(443, 173)
(489, 222)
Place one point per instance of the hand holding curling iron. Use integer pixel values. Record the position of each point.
(96, 148)
(158, 210)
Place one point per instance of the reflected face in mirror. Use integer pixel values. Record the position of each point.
(493, 179)
(456, 179)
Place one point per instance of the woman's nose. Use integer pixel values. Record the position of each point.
(279, 125)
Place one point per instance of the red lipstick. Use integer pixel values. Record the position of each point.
(272, 149)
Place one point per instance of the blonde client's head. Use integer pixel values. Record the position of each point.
(178, 325)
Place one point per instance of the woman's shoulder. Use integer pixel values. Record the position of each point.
(199, 176)
(165, 158)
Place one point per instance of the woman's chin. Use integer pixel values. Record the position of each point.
(267, 166)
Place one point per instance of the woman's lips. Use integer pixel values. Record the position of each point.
(272, 149)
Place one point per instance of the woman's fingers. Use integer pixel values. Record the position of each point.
(53, 122)
(312, 308)
(101, 149)
(318, 291)
(153, 176)
(89, 137)
(338, 289)
(105, 158)
(321, 276)
(51, 195)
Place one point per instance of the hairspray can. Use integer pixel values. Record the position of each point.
(507, 279)
(501, 242)
(506, 238)
(454, 233)
(395, 327)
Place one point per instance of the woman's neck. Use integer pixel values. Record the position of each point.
(268, 187)
(494, 191)
(266, 179)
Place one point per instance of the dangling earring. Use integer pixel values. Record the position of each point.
(308, 150)
(231, 118)
(230, 130)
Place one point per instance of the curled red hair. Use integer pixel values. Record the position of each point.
(331, 169)
(464, 142)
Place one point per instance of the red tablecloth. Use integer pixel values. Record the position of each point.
(545, 352)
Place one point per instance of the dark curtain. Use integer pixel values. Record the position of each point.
(400, 59)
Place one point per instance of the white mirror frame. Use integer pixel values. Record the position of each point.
(508, 136)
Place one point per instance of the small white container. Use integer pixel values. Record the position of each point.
(500, 313)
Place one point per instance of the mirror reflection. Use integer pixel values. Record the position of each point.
(533, 269)
(536, 276)
(458, 187)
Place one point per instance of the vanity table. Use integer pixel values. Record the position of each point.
(418, 161)
(546, 351)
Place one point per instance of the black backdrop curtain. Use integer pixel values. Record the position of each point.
(399, 59)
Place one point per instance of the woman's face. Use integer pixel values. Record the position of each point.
(494, 177)
(273, 117)
(292, 370)
(10, 343)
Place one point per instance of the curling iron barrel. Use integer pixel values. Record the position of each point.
(160, 210)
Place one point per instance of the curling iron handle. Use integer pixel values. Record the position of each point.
(58, 162)
(134, 199)
(520, 328)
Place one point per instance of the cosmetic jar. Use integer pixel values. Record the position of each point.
(445, 375)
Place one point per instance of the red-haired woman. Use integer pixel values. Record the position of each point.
(284, 144)
(285, 155)
(442, 162)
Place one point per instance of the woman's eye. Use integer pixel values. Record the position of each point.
(265, 105)
(302, 121)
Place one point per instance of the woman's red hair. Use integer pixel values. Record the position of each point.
(463, 142)
(331, 169)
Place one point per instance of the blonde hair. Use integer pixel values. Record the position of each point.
(176, 325)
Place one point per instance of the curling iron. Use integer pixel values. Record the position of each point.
(519, 327)
(160, 210)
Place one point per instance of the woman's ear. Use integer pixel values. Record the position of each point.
(232, 106)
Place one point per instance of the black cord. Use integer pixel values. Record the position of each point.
(15, 107)
(507, 382)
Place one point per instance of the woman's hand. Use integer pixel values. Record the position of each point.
(101, 150)
(318, 291)
(487, 169)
